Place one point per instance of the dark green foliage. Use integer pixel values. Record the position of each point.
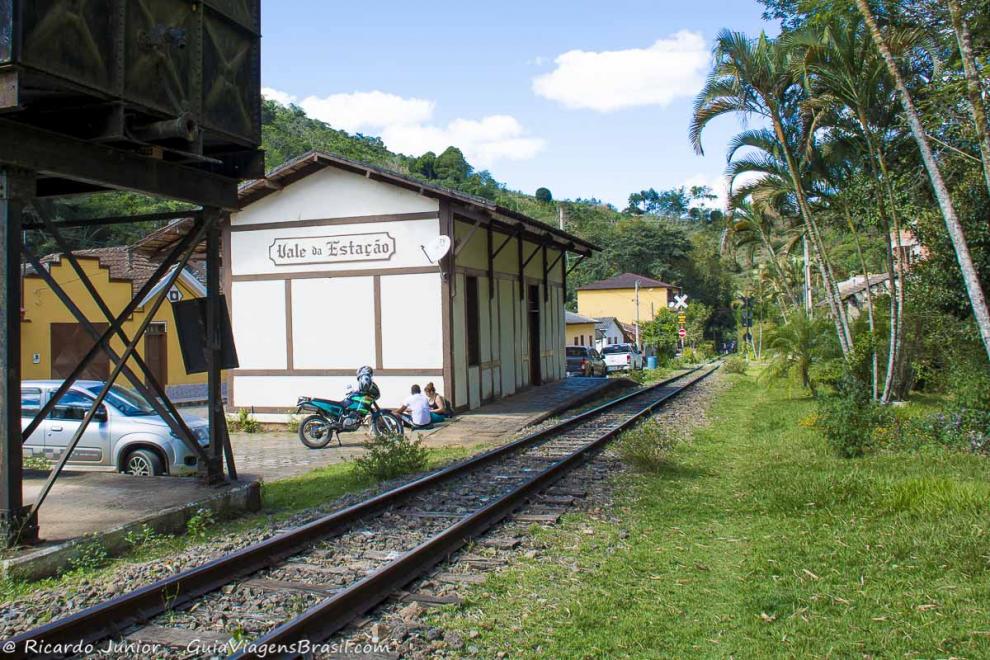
(544, 195)
(647, 448)
(849, 418)
(389, 456)
(661, 334)
(452, 166)
(425, 165)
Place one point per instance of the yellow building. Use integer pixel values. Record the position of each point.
(580, 329)
(53, 342)
(616, 297)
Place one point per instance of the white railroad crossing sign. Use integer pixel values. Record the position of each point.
(680, 302)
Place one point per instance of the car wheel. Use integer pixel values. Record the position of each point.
(144, 463)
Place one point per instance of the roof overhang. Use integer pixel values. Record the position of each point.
(470, 207)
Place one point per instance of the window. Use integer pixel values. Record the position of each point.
(72, 405)
(581, 338)
(473, 322)
(30, 401)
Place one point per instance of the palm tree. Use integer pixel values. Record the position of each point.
(757, 226)
(795, 346)
(958, 237)
(974, 84)
(847, 78)
(755, 77)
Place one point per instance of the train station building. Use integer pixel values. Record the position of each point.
(328, 268)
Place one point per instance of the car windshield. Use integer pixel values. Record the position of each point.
(576, 351)
(616, 348)
(124, 400)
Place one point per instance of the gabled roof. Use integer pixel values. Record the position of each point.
(128, 265)
(627, 281)
(571, 318)
(298, 168)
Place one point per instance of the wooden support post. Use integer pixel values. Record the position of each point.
(522, 269)
(17, 525)
(546, 275)
(491, 266)
(447, 302)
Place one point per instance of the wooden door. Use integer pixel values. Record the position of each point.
(156, 352)
(70, 343)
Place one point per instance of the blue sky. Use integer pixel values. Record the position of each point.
(590, 99)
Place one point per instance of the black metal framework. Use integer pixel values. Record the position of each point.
(18, 523)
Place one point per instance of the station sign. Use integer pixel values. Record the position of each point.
(345, 248)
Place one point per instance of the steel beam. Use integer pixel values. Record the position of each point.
(219, 440)
(128, 352)
(170, 414)
(60, 156)
(186, 245)
(153, 392)
(17, 525)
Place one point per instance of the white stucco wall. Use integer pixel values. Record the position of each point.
(275, 391)
(258, 322)
(333, 193)
(412, 323)
(333, 323)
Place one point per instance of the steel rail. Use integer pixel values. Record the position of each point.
(112, 617)
(324, 619)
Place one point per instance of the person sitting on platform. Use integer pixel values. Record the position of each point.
(415, 410)
(439, 407)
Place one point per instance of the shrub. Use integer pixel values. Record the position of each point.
(389, 456)
(199, 523)
(293, 424)
(850, 418)
(145, 537)
(647, 448)
(735, 365)
(245, 422)
(91, 556)
(36, 462)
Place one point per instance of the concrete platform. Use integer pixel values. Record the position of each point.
(84, 506)
(505, 417)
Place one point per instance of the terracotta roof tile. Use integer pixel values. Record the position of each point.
(626, 281)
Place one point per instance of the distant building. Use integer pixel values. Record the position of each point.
(853, 292)
(908, 250)
(609, 331)
(616, 297)
(53, 341)
(580, 329)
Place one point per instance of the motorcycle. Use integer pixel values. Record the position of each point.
(329, 418)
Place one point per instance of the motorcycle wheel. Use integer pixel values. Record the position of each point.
(385, 423)
(314, 432)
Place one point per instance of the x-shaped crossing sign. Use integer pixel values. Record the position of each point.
(680, 302)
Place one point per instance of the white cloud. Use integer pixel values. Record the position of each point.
(361, 111)
(278, 96)
(672, 68)
(404, 125)
(483, 141)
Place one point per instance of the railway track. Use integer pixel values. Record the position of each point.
(308, 583)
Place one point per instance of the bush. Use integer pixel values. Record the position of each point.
(389, 456)
(647, 448)
(735, 365)
(199, 523)
(90, 556)
(851, 419)
(292, 426)
(244, 422)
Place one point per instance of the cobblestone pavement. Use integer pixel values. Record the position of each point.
(277, 455)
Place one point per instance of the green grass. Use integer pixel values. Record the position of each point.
(280, 500)
(755, 541)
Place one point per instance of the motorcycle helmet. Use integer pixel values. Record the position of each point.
(364, 378)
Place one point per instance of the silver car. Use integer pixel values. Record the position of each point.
(125, 435)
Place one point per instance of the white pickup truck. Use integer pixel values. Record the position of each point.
(622, 357)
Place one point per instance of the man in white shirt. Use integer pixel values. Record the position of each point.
(416, 408)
